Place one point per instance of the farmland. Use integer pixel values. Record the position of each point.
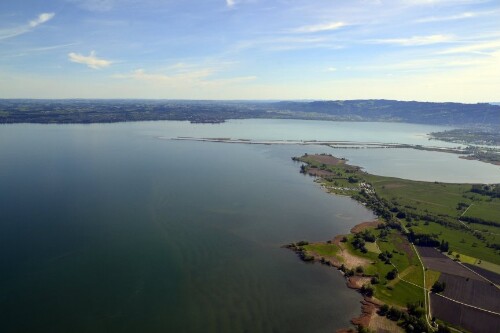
(471, 291)
(471, 319)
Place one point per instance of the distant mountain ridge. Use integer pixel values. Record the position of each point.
(401, 111)
(196, 111)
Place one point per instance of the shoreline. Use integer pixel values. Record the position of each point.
(369, 305)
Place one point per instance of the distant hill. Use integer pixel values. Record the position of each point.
(399, 111)
(101, 111)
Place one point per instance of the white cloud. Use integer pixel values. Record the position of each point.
(331, 69)
(230, 3)
(91, 60)
(416, 40)
(13, 32)
(42, 18)
(319, 27)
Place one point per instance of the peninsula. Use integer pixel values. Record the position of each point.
(430, 262)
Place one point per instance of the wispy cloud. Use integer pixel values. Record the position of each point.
(51, 47)
(319, 27)
(286, 43)
(91, 60)
(16, 31)
(415, 40)
(481, 47)
(194, 78)
(230, 3)
(440, 2)
(461, 16)
(31, 51)
(95, 5)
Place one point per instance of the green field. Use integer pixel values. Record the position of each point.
(487, 210)
(431, 277)
(462, 241)
(423, 197)
(485, 228)
(322, 249)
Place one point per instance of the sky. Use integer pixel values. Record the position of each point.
(424, 50)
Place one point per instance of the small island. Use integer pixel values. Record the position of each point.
(429, 263)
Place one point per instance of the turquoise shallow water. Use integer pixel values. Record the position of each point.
(106, 228)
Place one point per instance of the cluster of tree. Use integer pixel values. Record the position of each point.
(422, 239)
(391, 275)
(361, 238)
(367, 235)
(478, 220)
(367, 290)
(446, 221)
(359, 243)
(415, 309)
(494, 246)
(383, 231)
(488, 190)
(444, 246)
(352, 179)
(381, 207)
(394, 224)
(347, 272)
(479, 235)
(301, 252)
(385, 257)
(412, 321)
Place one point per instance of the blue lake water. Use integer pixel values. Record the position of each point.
(107, 228)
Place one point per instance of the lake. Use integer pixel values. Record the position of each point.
(108, 228)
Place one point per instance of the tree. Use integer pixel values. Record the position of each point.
(444, 246)
(383, 310)
(438, 287)
(367, 290)
(394, 314)
(392, 274)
